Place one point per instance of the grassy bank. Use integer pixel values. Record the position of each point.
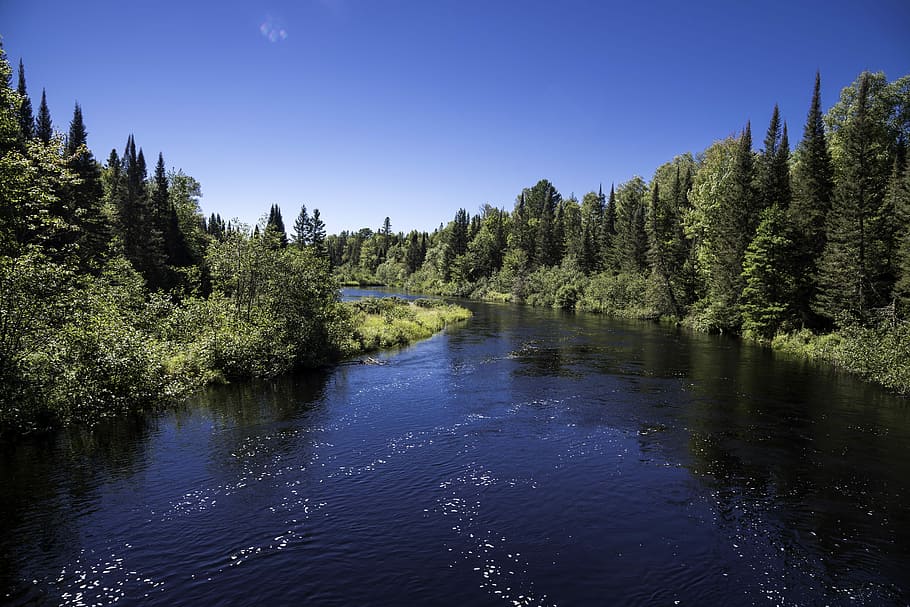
(390, 322)
(880, 354)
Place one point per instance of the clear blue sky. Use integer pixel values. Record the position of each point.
(414, 108)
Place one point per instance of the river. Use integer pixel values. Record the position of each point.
(526, 457)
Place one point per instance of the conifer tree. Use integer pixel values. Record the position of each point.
(773, 166)
(160, 198)
(274, 227)
(26, 116)
(607, 237)
(850, 279)
(44, 127)
(813, 188)
(317, 233)
(631, 238)
(85, 197)
(769, 282)
(303, 228)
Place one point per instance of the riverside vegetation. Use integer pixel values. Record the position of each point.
(116, 294)
(808, 252)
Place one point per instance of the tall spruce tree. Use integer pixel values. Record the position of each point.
(768, 295)
(773, 166)
(85, 196)
(850, 279)
(607, 236)
(813, 191)
(274, 228)
(44, 127)
(631, 245)
(25, 114)
(303, 228)
(317, 233)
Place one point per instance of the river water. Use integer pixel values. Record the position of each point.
(526, 457)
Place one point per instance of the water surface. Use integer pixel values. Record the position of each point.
(527, 457)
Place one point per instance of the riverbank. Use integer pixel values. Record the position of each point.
(109, 365)
(878, 353)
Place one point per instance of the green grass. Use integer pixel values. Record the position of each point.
(391, 322)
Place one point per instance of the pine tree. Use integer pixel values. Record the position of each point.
(274, 228)
(26, 117)
(85, 197)
(140, 234)
(160, 198)
(769, 282)
(607, 237)
(850, 281)
(317, 233)
(456, 244)
(631, 244)
(303, 228)
(813, 190)
(44, 127)
(773, 166)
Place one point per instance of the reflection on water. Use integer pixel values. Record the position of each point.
(528, 457)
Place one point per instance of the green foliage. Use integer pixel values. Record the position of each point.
(617, 295)
(770, 284)
(393, 322)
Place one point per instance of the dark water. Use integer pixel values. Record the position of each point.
(525, 458)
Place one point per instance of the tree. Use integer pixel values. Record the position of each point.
(302, 228)
(899, 194)
(813, 187)
(607, 236)
(770, 283)
(592, 217)
(852, 273)
(631, 243)
(773, 166)
(274, 228)
(44, 127)
(26, 117)
(317, 234)
(722, 225)
(456, 243)
(85, 197)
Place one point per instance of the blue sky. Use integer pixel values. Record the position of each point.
(413, 109)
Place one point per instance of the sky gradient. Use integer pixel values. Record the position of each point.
(412, 109)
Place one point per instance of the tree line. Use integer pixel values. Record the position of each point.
(731, 239)
(116, 292)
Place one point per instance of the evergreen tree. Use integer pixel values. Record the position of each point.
(631, 244)
(607, 239)
(160, 198)
(86, 196)
(44, 127)
(769, 282)
(456, 244)
(317, 233)
(813, 188)
(274, 228)
(412, 256)
(26, 117)
(592, 217)
(852, 274)
(303, 228)
(773, 166)
(139, 232)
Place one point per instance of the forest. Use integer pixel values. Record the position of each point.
(806, 250)
(117, 293)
